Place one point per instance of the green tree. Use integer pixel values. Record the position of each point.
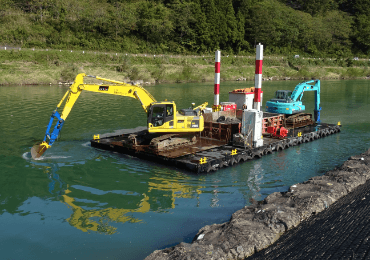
(201, 29)
(123, 18)
(338, 27)
(362, 33)
(313, 7)
(267, 22)
(155, 23)
(241, 44)
(227, 29)
(183, 19)
(211, 19)
(360, 9)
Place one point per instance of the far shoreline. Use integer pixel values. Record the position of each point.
(38, 67)
(143, 83)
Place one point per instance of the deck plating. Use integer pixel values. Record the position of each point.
(211, 155)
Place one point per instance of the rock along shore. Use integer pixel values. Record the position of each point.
(257, 226)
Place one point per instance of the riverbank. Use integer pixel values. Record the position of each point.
(22, 67)
(340, 232)
(255, 227)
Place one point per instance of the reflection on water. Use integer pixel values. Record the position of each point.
(91, 214)
(173, 189)
(255, 179)
(82, 218)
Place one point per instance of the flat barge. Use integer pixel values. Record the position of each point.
(211, 152)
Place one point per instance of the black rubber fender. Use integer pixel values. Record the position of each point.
(238, 158)
(221, 165)
(267, 151)
(232, 161)
(247, 157)
(224, 164)
(257, 154)
(244, 157)
(279, 147)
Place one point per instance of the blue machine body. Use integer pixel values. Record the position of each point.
(288, 102)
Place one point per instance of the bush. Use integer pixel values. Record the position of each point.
(159, 73)
(125, 66)
(304, 73)
(69, 73)
(187, 72)
(133, 74)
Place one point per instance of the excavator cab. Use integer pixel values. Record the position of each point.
(282, 96)
(163, 117)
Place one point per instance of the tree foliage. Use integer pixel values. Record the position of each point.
(332, 27)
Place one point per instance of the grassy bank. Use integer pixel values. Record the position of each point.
(54, 66)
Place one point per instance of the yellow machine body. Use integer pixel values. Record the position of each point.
(162, 116)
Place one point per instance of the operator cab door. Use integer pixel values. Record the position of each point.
(161, 115)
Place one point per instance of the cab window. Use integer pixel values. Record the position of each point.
(169, 110)
(158, 114)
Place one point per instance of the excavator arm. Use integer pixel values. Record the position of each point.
(71, 96)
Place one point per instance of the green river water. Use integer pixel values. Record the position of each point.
(78, 202)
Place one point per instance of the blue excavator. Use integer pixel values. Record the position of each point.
(290, 103)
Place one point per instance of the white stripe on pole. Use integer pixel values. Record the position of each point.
(258, 80)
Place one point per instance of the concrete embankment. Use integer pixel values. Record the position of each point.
(257, 226)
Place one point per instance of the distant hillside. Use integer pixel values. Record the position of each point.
(322, 27)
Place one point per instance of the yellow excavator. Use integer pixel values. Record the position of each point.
(162, 116)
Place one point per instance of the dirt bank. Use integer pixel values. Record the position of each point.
(32, 67)
(258, 226)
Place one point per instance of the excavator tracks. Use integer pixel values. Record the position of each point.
(170, 141)
(144, 141)
(299, 120)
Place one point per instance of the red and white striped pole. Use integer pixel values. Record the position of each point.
(217, 78)
(258, 77)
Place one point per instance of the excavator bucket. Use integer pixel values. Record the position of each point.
(38, 149)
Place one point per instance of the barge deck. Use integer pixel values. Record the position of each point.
(208, 154)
